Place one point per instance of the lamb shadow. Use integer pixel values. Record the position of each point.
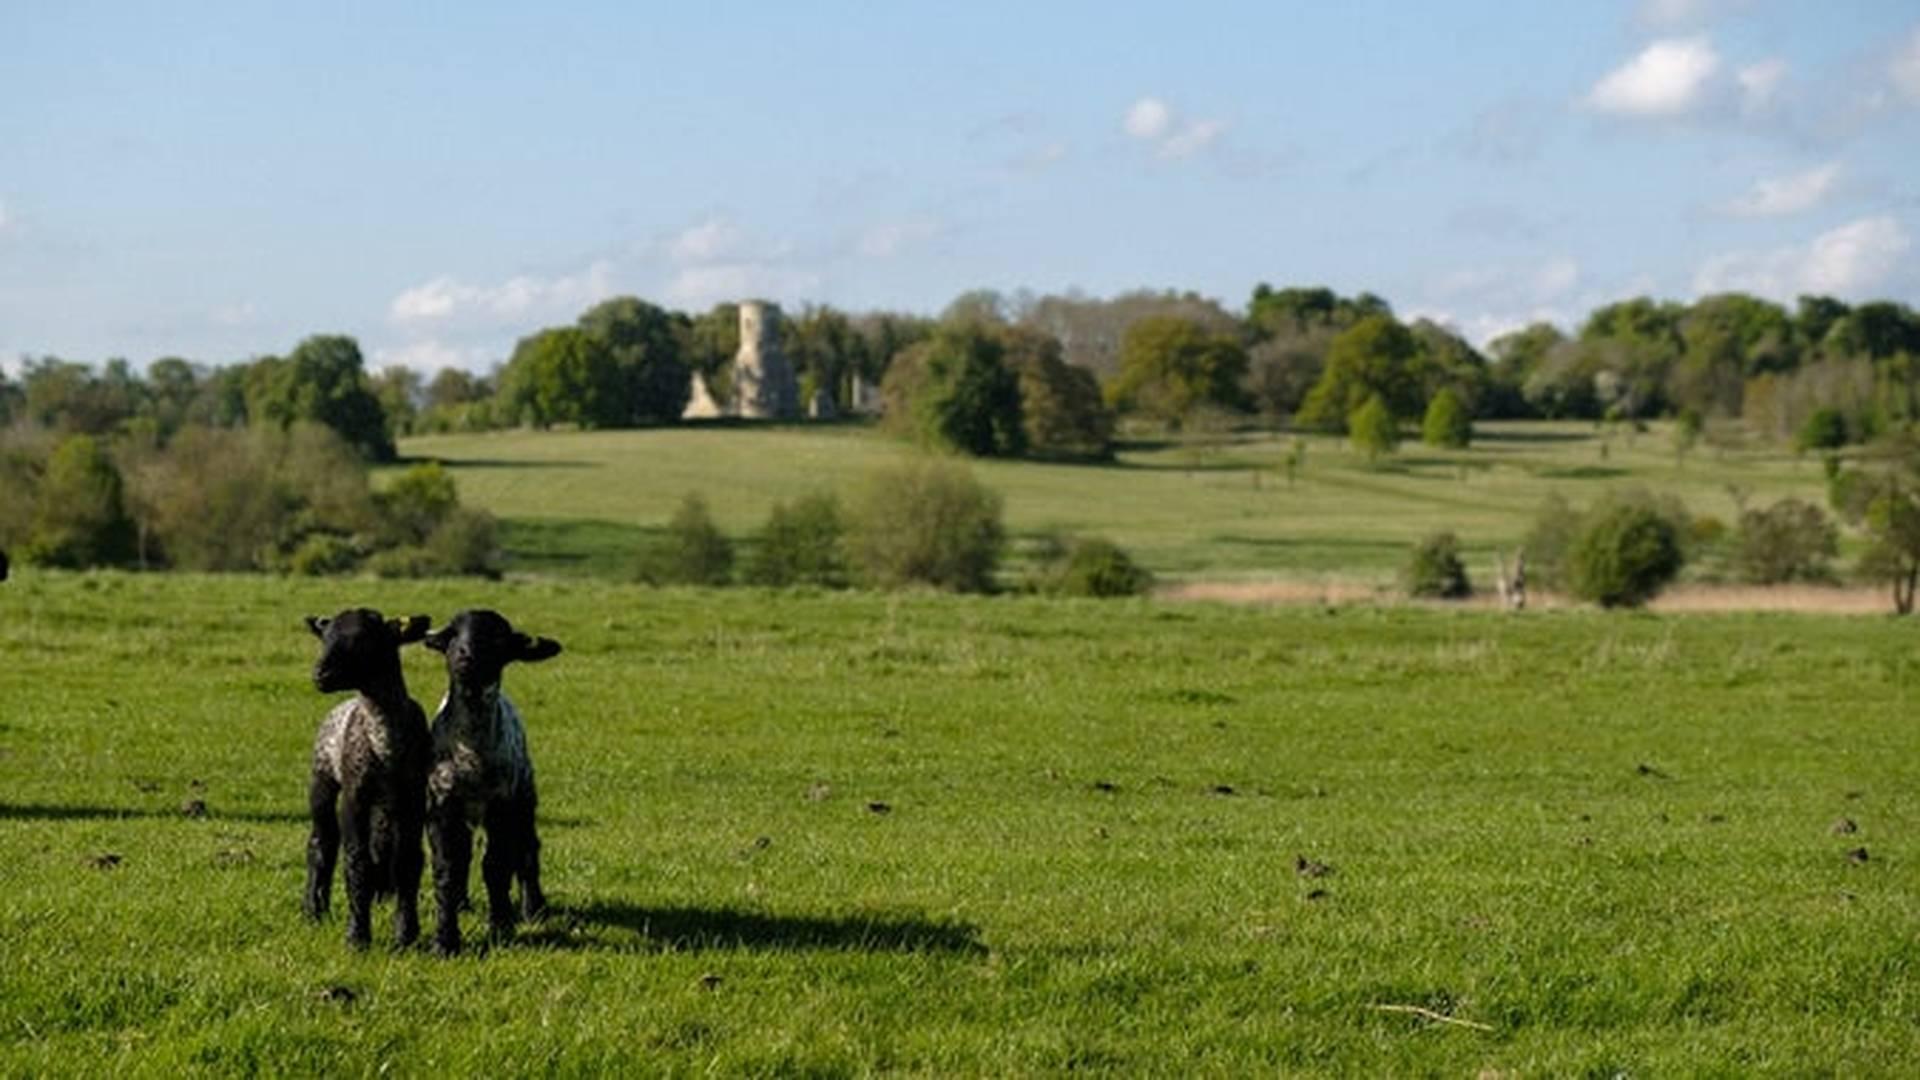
(56, 812)
(697, 929)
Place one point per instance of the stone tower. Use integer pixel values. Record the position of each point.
(763, 386)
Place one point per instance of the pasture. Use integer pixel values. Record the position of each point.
(853, 834)
(1203, 507)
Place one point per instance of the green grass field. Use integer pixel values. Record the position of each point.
(1605, 841)
(1212, 508)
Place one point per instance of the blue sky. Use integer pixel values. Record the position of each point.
(219, 180)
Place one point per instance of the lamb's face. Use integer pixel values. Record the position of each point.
(479, 645)
(359, 648)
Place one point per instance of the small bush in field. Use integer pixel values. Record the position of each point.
(693, 552)
(1091, 567)
(802, 544)
(928, 522)
(1792, 540)
(1627, 551)
(1435, 569)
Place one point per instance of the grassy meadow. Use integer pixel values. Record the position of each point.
(1203, 507)
(843, 834)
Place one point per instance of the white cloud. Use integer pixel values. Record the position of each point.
(886, 241)
(1192, 139)
(1153, 121)
(4, 219)
(698, 287)
(241, 314)
(1850, 260)
(1667, 78)
(1904, 69)
(1149, 118)
(714, 238)
(517, 298)
(1785, 195)
(1760, 84)
(430, 355)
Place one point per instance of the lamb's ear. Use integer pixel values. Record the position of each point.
(534, 650)
(412, 630)
(439, 639)
(317, 625)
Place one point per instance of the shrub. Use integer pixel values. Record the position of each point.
(801, 545)
(1627, 551)
(693, 552)
(1555, 528)
(1091, 567)
(1435, 569)
(417, 501)
(323, 553)
(1448, 423)
(1824, 429)
(1788, 541)
(928, 522)
(1372, 428)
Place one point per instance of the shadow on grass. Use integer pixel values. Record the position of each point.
(697, 929)
(56, 812)
(213, 812)
(1493, 435)
(1582, 472)
(500, 463)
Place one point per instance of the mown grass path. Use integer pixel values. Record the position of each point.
(1207, 507)
(847, 834)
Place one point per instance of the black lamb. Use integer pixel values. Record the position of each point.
(482, 775)
(370, 764)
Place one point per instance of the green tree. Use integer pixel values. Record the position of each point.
(1372, 358)
(1373, 430)
(1061, 407)
(1882, 498)
(1447, 423)
(1171, 366)
(927, 522)
(400, 392)
(1625, 553)
(322, 381)
(563, 376)
(650, 380)
(80, 517)
(956, 391)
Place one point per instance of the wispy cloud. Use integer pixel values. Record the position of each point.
(1760, 84)
(1153, 121)
(1668, 78)
(699, 287)
(517, 298)
(1850, 260)
(714, 238)
(1904, 68)
(432, 354)
(1784, 195)
(888, 240)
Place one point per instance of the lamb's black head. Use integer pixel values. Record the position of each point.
(360, 648)
(480, 644)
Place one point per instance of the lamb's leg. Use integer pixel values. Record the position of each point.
(452, 842)
(533, 902)
(355, 825)
(505, 843)
(407, 865)
(323, 845)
